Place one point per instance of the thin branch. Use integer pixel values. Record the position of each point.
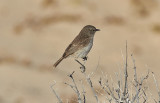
(126, 74)
(75, 86)
(83, 92)
(57, 96)
(156, 83)
(135, 75)
(112, 94)
(104, 89)
(83, 68)
(140, 87)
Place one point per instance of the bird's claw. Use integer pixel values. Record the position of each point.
(85, 58)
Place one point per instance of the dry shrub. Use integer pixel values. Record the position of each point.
(73, 99)
(114, 20)
(78, 2)
(143, 7)
(99, 91)
(129, 87)
(19, 100)
(59, 18)
(18, 29)
(26, 62)
(35, 23)
(8, 59)
(48, 3)
(14, 60)
(156, 28)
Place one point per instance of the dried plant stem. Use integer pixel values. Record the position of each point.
(135, 76)
(57, 96)
(83, 92)
(115, 92)
(156, 83)
(83, 68)
(75, 88)
(138, 85)
(126, 75)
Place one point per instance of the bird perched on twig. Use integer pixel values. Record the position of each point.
(81, 45)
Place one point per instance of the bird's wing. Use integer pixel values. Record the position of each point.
(75, 46)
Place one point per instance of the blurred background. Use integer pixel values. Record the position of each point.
(35, 33)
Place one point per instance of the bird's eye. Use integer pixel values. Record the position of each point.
(91, 29)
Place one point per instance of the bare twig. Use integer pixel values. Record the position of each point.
(111, 91)
(57, 96)
(140, 87)
(135, 75)
(83, 92)
(156, 83)
(75, 87)
(126, 75)
(107, 92)
(118, 90)
(83, 68)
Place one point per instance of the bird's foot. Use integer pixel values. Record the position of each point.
(85, 58)
(83, 68)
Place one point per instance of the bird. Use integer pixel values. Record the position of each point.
(81, 45)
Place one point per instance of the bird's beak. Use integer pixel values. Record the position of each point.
(97, 29)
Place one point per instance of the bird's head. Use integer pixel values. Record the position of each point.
(90, 30)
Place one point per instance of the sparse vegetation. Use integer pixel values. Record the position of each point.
(156, 28)
(35, 23)
(122, 90)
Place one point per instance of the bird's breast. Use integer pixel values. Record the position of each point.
(81, 53)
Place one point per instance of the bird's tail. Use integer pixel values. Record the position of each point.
(55, 65)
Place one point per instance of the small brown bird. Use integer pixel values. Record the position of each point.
(81, 45)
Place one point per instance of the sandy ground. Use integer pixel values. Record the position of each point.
(35, 33)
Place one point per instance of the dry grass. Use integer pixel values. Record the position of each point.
(48, 3)
(115, 20)
(143, 8)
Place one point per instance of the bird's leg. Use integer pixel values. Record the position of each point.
(83, 68)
